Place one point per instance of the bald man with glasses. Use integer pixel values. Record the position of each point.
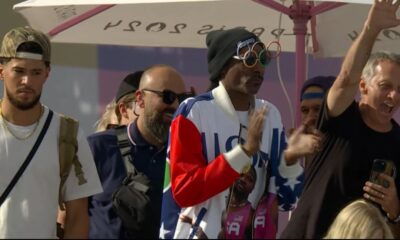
(160, 91)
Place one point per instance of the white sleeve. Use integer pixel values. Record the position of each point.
(292, 171)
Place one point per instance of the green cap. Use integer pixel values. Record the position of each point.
(15, 37)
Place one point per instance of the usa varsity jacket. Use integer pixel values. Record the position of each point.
(204, 160)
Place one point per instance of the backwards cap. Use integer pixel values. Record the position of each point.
(129, 85)
(17, 36)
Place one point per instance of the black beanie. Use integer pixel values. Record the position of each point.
(222, 46)
(129, 85)
(323, 82)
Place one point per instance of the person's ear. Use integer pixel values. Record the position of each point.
(139, 98)
(1, 72)
(47, 71)
(363, 87)
(123, 110)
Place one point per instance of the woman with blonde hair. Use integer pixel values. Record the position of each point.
(108, 118)
(359, 219)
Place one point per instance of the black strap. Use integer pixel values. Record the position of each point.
(125, 148)
(28, 159)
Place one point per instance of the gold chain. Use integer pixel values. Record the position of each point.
(4, 121)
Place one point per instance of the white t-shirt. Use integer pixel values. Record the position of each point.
(30, 210)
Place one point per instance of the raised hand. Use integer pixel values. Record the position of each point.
(382, 15)
(254, 134)
(302, 144)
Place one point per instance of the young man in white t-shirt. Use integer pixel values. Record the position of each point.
(30, 208)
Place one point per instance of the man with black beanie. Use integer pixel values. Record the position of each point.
(217, 136)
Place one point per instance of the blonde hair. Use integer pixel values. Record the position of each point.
(128, 100)
(360, 219)
(108, 117)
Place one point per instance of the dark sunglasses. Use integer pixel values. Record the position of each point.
(169, 96)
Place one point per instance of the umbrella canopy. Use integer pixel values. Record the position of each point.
(177, 23)
(172, 23)
(153, 23)
(337, 29)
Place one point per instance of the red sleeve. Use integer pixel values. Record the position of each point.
(193, 179)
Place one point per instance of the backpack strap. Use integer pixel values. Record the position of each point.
(68, 148)
(125, 148)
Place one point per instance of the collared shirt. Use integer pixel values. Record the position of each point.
(104, 223)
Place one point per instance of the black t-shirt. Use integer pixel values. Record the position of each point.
(337, 174)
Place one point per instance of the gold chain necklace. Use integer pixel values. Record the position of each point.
(5, 124)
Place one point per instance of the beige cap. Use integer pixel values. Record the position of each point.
(15, 37)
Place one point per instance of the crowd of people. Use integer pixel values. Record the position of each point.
(217, 164)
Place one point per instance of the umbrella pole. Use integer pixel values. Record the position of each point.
(300, 15)
(301, 12)
(300, 73)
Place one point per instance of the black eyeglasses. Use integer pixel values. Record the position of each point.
(169, 96)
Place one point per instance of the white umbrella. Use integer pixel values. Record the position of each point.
(174, 23)
(152, 23)
(337, 29)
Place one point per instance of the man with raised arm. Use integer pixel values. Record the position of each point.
(355, 133)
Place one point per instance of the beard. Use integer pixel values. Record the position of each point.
(156, 125)
(22, 105)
